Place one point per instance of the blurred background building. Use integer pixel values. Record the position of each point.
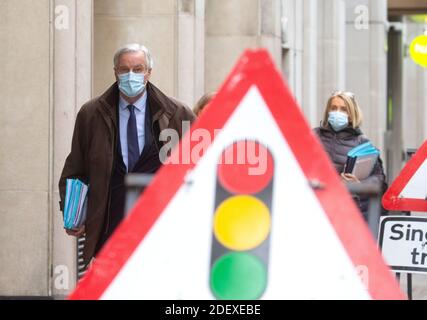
(57, 54)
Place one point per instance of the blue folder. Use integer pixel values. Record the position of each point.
(75, 207)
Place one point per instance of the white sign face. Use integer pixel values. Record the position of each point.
(417, 186)
(403, 242)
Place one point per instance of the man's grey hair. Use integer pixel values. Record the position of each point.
(134, 47)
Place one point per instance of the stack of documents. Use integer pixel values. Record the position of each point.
(75, 204)
(361, 160)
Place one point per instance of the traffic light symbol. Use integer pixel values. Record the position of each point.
(242, 221)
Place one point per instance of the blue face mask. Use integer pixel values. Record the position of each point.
(131, 84)
(338, 120)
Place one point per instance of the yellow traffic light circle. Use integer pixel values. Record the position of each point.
(242, 222)
(418, 50)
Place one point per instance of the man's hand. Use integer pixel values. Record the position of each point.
(349, 177)
(76, 232)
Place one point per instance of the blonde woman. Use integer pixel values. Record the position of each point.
(340, 132)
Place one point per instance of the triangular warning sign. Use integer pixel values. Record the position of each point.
(408, 192)
(296, 232)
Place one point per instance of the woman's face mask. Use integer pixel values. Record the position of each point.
(338, 120)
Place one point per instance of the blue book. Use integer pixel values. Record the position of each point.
(364, 148)
(75, 207)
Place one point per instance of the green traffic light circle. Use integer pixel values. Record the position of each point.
(238, 276)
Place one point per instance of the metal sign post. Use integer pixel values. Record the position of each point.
(373, 191)
(135, 184)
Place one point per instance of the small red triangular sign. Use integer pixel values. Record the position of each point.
(177, 243)
(408, 192)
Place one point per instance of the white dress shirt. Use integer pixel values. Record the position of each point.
(124, 115)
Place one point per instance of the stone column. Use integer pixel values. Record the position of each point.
(171, 29)
(24, 147)
(233, 26)
(47, 57)
(71, 88)
(189, 37)
(270, 29)
(292, 45)
(148, 22)
(309, 99)
(366, 63)
(394, 135)
(331, 50)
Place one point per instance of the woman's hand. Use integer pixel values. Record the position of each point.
(349, 177)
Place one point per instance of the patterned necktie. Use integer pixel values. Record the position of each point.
(132, 135)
